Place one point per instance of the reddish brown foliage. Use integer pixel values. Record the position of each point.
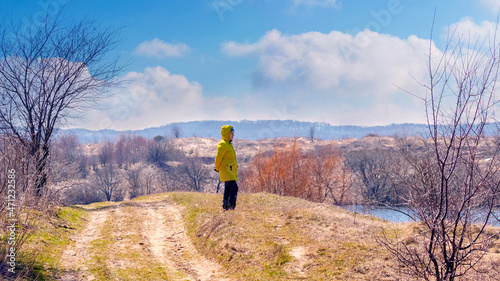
(289, 171)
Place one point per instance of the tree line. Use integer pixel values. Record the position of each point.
(130, 167)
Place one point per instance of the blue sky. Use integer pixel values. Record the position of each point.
(336, 61)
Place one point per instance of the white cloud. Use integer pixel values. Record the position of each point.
(332, 77)
(153, 98)
(158, 49)
(468, 30)
(366, 64)
(337, 77)
(236, 49)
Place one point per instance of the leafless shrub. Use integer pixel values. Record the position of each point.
(372, 176)
(166, 180)
(83, 193)
(330, 174)
(21, 209)
(68, 146)
(452, 190)
(136, 147)
(149, 176)
(160, 151)
(119, 153)
(129, 150)
(82, 166)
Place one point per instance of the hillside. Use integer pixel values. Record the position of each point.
(246, 149)
(186, 236)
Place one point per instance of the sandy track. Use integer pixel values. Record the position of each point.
(170, 244)
(162, 229)
(74, 258)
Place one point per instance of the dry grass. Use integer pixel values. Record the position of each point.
(267, 237)
(271, 237)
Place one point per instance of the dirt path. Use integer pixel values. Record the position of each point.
(74, 258)
(152, 230)
(170, 244)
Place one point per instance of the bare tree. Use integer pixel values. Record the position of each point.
(69, 146)
(157, 152)
(149, 180)
(106, 153)
(370, 169)
(160, 150)
(119, 153)
(193, 174)
(130, 149)
(107, 180)
(134, 181)
(137, 146)
(82, 165)
(330, 174)
(453, 188)
(62, 163)
(176, 131)
(48, 73)
(312, 131)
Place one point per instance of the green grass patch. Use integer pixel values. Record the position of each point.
(39, 257)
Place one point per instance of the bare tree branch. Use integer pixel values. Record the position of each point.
(50, 73)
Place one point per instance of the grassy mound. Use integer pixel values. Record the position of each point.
(269, 237)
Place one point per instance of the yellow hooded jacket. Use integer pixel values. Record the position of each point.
(225, 160)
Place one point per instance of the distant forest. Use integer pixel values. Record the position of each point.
(254, 130)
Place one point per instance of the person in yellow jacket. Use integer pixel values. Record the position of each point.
(227, 166)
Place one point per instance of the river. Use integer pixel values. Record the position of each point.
(393, 215)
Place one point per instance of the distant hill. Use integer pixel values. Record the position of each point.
(254, 130)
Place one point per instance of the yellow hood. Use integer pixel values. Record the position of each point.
(225, 132)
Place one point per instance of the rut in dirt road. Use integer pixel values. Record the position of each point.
(169, 243)
(133, 241)
(73, 259)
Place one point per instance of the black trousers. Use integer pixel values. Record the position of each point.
(230, 195)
